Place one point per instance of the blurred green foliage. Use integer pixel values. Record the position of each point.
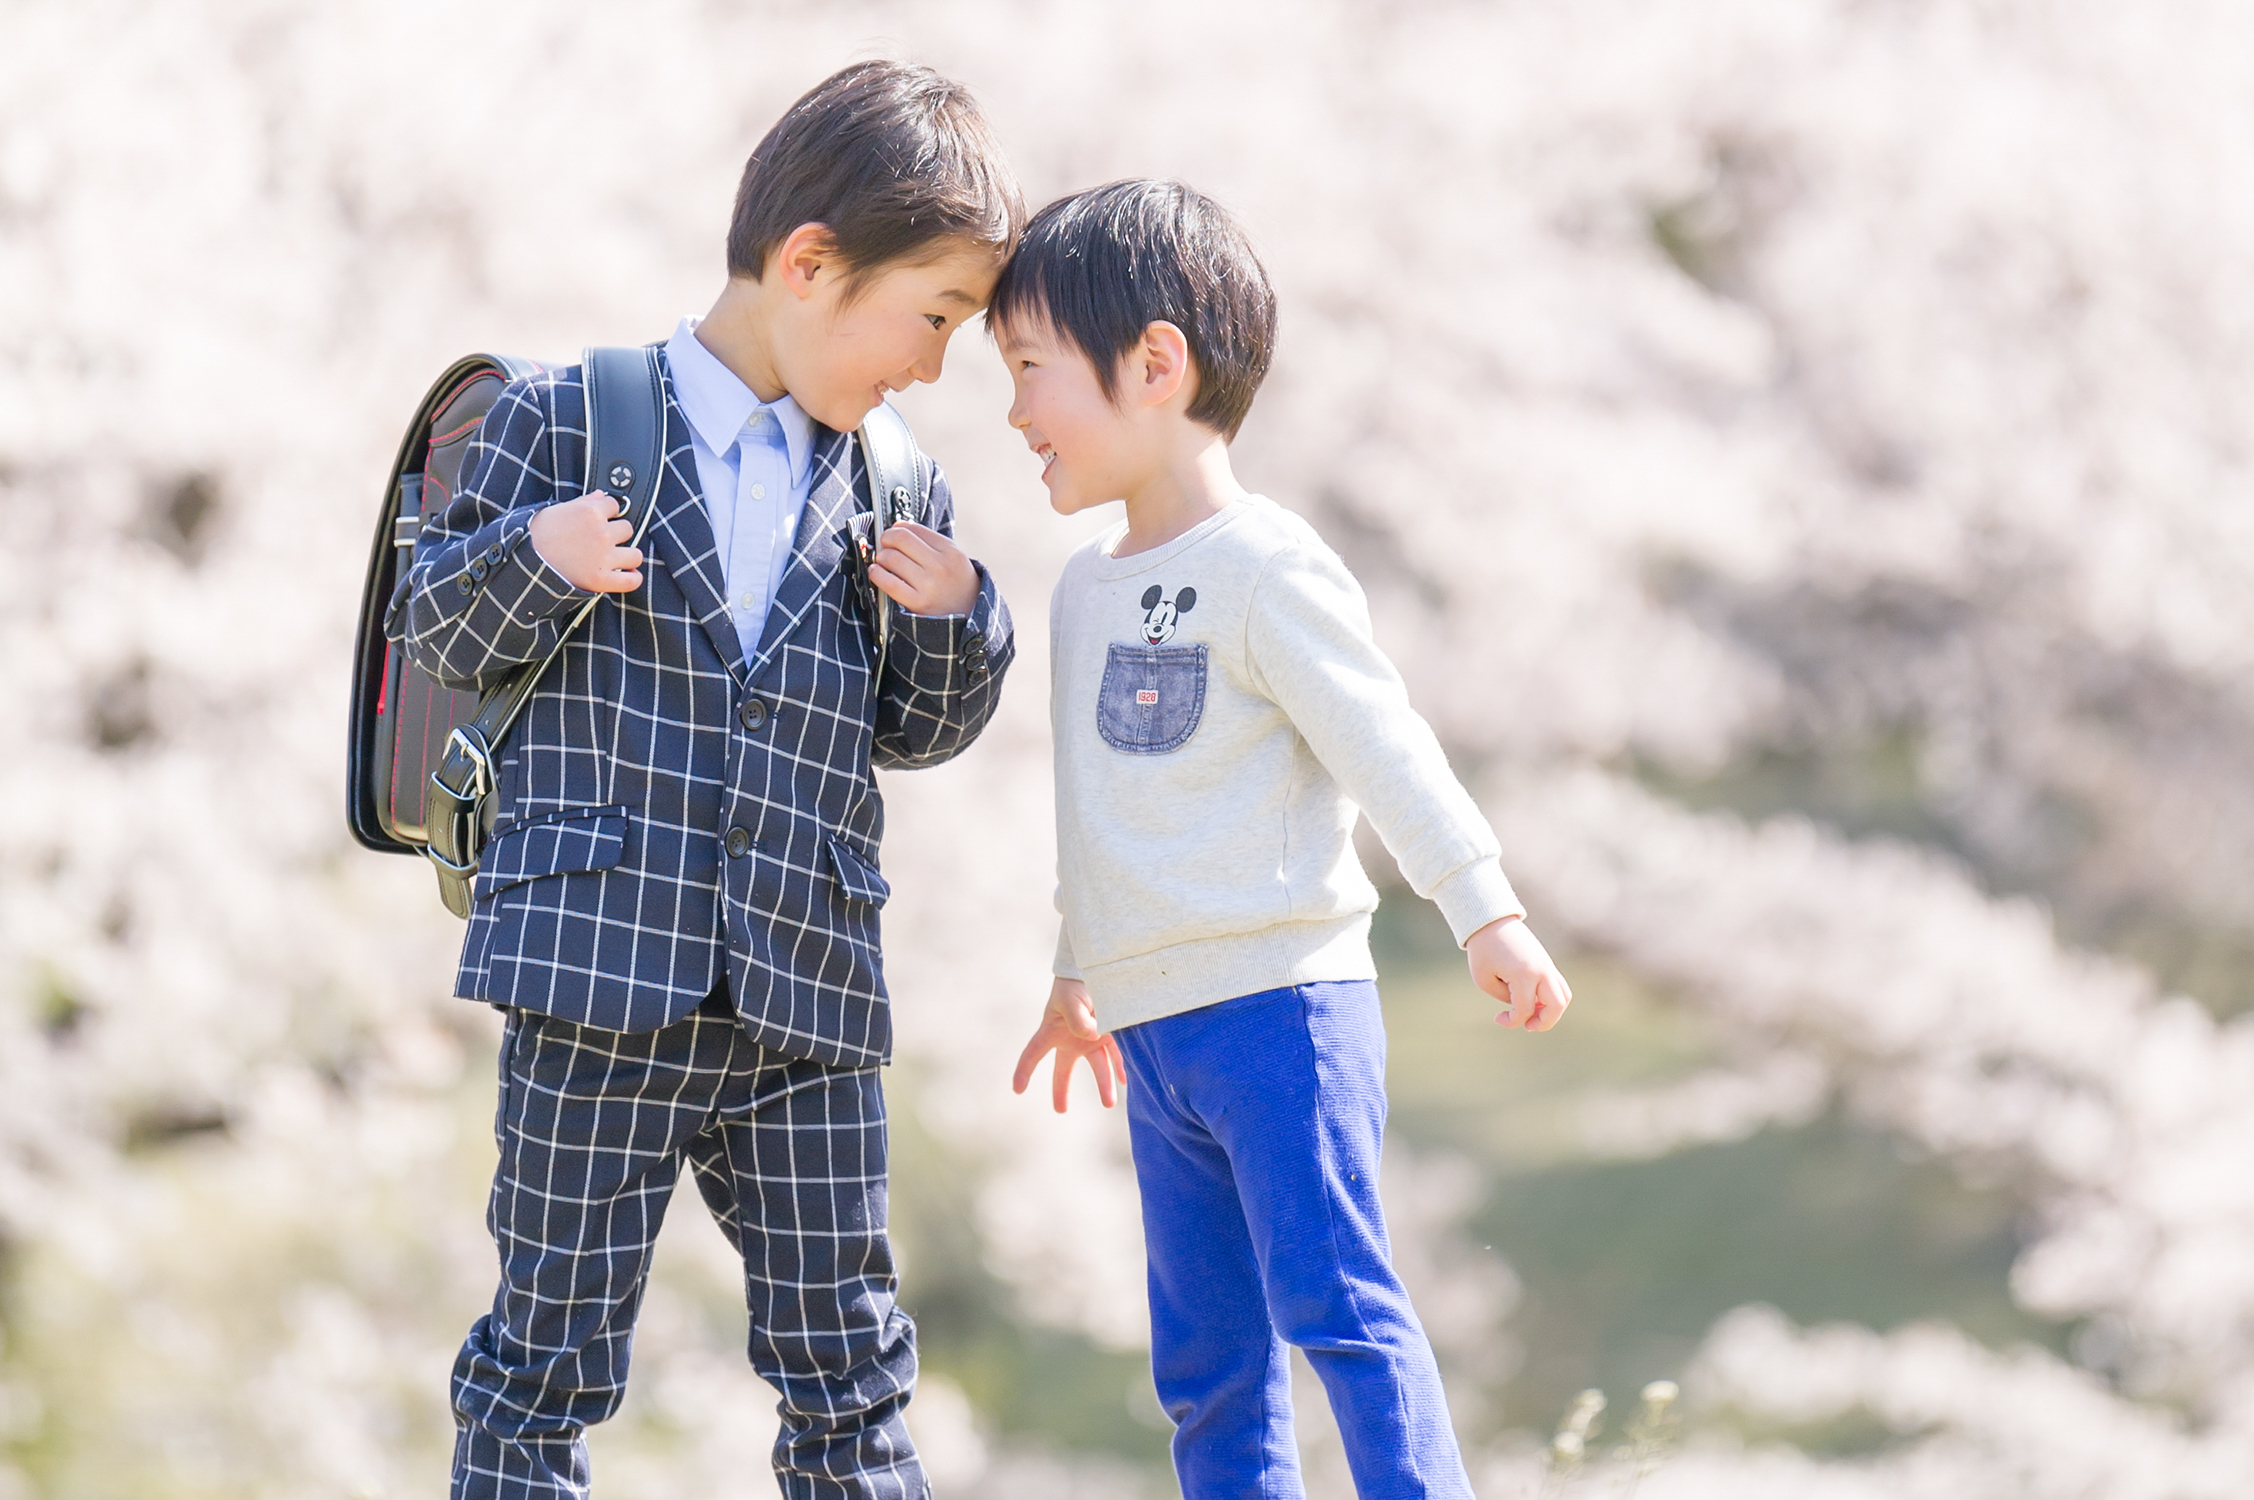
(1039, 1385)
(1624, 1264)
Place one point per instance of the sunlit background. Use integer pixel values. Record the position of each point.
(1798, 450)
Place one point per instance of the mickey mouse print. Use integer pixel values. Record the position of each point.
(1153, 694)
(1161, 615)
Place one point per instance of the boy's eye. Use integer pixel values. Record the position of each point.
(936, 320)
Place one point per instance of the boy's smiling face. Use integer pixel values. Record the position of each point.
(837, 354)
(1085, 441)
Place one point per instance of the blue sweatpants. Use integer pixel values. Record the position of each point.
(1256, 1126)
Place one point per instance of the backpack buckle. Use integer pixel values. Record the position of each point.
(465, 740)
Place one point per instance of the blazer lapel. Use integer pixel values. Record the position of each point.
(817, 551)
(681, 534)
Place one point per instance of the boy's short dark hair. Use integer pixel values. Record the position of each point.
(1101, 266)
(893, 159)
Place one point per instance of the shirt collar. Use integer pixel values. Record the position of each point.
(718, 404)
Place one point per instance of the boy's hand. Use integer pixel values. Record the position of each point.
(583, 540)
(1068, 1028)
(1509, 962)
(925, 573)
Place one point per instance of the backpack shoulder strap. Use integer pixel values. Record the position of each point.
(625, 427)
(899, 485)
(625, 437)
(899, 490)
(625, 447)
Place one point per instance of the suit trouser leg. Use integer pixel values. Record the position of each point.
(795, 1174)
(591, 1125)
(1285, 1091)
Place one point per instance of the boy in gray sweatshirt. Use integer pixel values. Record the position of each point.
(1221, 716)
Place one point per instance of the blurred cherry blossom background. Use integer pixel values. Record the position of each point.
(1798, 450)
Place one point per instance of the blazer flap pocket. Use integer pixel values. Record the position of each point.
(572, 841)
(856, 876)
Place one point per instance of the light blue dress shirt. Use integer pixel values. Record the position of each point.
(753, 463)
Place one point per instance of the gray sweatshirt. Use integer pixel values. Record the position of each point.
(1220, 713)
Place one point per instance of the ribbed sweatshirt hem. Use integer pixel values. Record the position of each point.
(1188, 976)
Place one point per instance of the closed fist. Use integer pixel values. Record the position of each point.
(587, 542)
(924, 572)
(1510, 964)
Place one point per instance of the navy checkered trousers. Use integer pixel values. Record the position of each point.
(678, 909)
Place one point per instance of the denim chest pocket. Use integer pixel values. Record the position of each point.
(1151, 698)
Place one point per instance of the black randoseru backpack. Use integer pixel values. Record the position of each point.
(418, 765)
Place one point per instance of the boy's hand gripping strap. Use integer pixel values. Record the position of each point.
(897, 490)
(625, 438)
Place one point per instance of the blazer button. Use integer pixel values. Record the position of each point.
(739, 843)
(752, 714)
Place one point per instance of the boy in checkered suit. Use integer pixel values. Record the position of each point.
(678, 906)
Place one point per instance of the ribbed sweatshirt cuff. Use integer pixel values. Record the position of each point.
(1475, 895)
(1063, 966)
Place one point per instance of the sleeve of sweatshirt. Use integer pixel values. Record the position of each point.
(1312, 652)
(1064, 966)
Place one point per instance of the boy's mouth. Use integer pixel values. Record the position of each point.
(1047, 455)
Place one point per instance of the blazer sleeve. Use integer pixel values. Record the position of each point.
(942, 673)
(478, 599)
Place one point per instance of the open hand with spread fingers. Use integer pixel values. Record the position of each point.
(1068, 1028)
(923, 571)
(1510, 963)
(588, 542)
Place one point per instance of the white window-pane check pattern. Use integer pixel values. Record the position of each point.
(790, 1157)
(674, 810)
(734, 774)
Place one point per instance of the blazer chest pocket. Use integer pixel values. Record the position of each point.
(574, 841)
(1152, 698)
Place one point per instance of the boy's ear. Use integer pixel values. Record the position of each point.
(807, 255)
(1162, 365)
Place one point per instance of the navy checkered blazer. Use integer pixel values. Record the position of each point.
(664, 805)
